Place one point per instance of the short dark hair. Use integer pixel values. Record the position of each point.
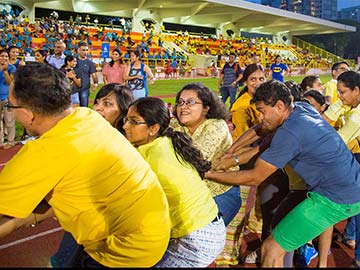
(337, 64)
(315, 94)
(124, 97)
(217, 108)
(42, 88)
(308, 81)
(350, 79)
(271, 91)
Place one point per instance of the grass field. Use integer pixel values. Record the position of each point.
(170, 87)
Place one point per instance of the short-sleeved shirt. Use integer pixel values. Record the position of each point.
(114, 74)
(84, 69)
(212, 138)
(351, 128)
(56, 62)
(317, 154)
(4, 87)
(231, 73)
(103, 192)
(277, 71)
(244, 115)
(190, 201)
(330, 90)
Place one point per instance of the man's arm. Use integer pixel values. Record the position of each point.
(95, 80)
(253, 177)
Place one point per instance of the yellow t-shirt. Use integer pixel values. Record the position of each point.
(330, 90)
(350, 130)
(212, 138)
(190, 201)
(244, 115)
(103, 192)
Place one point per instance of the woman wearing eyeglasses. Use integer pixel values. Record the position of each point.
(348, 108)
(198, 231)
(201, 115)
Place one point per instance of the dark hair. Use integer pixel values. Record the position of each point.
(42, 88)
(82, 43)
(43, 54)
(68, 59)
(124, 97)
(337, 64)
(217, 109)
(308, 81)
(250, 69)
(1, 51)
(12, 47)
(315, 94)
(137, 53)
(112, 60)
(295, 90)
(155, 111)
(271, 91)
(350, 79)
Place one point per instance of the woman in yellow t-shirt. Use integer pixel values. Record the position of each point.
(198, 231)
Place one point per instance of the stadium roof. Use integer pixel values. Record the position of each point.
(245, 16)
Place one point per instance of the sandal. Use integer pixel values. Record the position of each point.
(347, 242)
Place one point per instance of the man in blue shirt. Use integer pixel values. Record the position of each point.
(58, 58)
(85, 69)
(315, 151)
(278, 69)
(230, 76)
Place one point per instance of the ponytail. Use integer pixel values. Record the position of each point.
(184, 147)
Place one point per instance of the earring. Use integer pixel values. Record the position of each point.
(151, 133)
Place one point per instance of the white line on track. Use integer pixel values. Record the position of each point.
(17, 242)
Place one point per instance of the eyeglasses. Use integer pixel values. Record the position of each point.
(134, 122)
(10, 106)
(342, 68)
(189, 102)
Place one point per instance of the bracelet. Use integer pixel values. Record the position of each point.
(35, 221)
(237, 159)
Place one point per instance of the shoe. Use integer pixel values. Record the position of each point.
(306, 254)
(7, 145)
(28, 138)
(347, 242)
(252, 257)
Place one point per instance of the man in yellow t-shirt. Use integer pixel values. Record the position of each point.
(330, 88)
(100, 188)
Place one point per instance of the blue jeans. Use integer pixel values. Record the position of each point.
(229, 203)
(350, 229)
(357, 246)
(72, 255)
(228, 92)
(84, 98)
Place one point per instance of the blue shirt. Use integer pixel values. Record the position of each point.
(84, 69)
(277, 71)
(4, 87)
(317, 154)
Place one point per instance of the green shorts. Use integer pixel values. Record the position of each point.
(309, 219)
